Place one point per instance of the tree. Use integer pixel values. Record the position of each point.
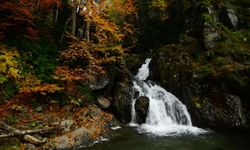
(17, 16)
(106, 25)
(75, 5)
(20, 16)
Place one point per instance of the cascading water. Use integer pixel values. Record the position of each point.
(166, 115)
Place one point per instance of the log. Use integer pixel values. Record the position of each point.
(33, 140)
(26, 133)
(21, 133)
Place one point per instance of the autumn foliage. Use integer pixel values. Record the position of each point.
(31, 85)
(9, 66)
(20, 16)
(106, 27)
(16, 15)
(107, 33)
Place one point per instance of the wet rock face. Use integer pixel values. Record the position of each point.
(225, 112)
(123, 97)
(141, 108)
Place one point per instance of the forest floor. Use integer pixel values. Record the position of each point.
(65, 120)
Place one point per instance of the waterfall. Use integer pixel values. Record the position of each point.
(167, 115)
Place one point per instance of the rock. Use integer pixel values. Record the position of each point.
(136, 94)
(123, 97)
(39, 109)
(210, 34)
(98, 82)
(103, 102)
(66, 124)
(29, 146)
(228, 17)
(93, 111)
(141, 108)
(223, 112)
(72, 140)
(232, 17)
(94, 123)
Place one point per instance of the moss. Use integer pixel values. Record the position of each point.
(209, 19)
(205, 71)
(197, 102)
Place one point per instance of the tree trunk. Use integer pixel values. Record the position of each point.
(57, 12)
(87, 32)
(74, 19)
(37, 5)
(64, 30)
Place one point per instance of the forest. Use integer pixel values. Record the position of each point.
(73, 72)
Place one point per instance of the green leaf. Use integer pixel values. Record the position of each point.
(33, 124)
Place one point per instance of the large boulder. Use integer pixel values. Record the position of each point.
(73, 140)
(98, 81)
(92, 125)
(222, 112)
(141, 109)
(123, 96)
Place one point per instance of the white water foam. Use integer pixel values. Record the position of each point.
(143, 72)
(167, 115)
(116, 128)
